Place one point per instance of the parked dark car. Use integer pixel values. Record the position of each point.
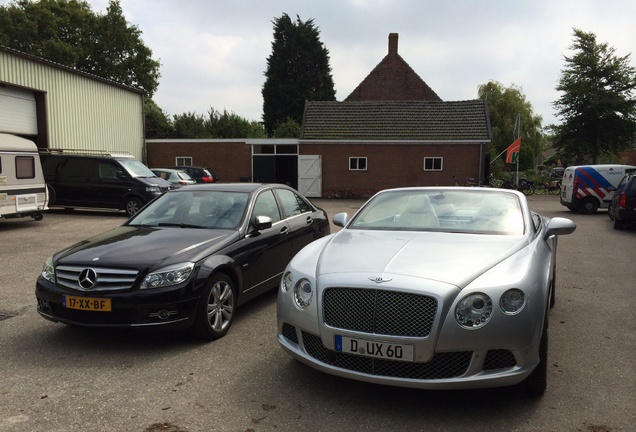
(95, 179)
(200, 174)
(187, 260)
(622, 209)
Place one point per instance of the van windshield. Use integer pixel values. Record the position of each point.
(136, 169)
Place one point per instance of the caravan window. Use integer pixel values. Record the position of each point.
(24, 167)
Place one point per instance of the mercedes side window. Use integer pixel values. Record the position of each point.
(292, 204)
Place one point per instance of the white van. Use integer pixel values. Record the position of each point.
(587, 188)
(23, 191)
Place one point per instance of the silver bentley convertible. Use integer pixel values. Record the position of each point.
(433, 288)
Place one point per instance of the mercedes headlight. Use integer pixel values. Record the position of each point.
(48, 270)
(474, 311)
(303, 293)
(167, 276)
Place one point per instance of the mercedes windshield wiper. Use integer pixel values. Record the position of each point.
(180, 225)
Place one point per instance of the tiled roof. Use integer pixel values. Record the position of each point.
(397, 120)
(392, 79)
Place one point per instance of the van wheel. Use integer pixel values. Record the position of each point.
(52, 195)
(133, 205)
(588, 206)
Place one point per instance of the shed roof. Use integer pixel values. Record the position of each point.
(68, 69)
(397, 120)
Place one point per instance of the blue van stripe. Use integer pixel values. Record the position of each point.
(593, 179)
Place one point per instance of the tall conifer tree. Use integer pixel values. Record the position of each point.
(297, 70)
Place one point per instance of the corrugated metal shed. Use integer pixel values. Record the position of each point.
(82, 111)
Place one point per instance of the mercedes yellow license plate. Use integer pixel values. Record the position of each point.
(86, 303)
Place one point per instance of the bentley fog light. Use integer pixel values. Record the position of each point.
(512, 301)
(48, 271)
(287, 282)
(303, 293)
(474, 311)
(167, 276)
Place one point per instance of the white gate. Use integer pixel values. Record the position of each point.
(310, 175)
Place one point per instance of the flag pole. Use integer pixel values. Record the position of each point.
(514, 138)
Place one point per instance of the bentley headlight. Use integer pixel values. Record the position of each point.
(474, 311)
(303, 293)
(512, 301)
(171, 275)
(48, 270)
(287, 282)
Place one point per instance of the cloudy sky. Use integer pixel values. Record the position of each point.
(213, 52)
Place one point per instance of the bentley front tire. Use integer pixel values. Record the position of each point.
(537, 382)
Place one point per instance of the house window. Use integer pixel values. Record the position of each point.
(278, 149)
(24, 167)
(357, 164)
(433, 163)
(184, 161)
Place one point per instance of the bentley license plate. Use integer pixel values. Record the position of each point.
(368, 348)
(87, 303)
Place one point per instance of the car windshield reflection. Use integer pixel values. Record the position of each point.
(195, 209)
(463, 211)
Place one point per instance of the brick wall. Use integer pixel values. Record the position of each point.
(392, 165)
(230, 160)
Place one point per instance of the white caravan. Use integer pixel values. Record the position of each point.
(23, 191)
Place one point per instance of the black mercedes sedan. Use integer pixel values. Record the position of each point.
(186, 260)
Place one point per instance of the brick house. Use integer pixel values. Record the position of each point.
(393, 130)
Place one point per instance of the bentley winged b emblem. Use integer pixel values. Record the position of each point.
(379, 279)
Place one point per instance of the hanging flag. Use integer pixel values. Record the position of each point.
(512, 152)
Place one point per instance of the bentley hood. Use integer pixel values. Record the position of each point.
(145, 247)
(453, 258)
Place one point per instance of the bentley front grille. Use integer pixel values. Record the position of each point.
(381, 312)
(441, 366)
(499, 359)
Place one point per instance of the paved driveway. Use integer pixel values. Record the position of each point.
(57, 378)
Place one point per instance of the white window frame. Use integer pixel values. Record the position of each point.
(183, 159)
(358, 158)
(433, 159)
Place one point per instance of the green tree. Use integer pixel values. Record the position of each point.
(297, 70)
(597, 104)
(290, 128)
(511, 116)
(229, 125)
(189, 125)
(70, 33)
(157, 122)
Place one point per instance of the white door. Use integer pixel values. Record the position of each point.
(310, 175)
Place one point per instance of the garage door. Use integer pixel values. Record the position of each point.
(17, 111)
